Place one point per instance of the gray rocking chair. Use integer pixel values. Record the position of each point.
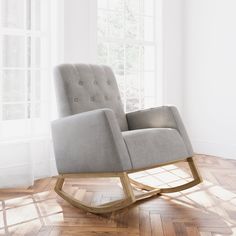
(95, 138)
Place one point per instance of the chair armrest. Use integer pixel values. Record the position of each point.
(159, 117)
(89, 142)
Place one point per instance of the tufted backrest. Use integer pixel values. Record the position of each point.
(82, 87)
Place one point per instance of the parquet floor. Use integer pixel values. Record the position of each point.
(207, 210)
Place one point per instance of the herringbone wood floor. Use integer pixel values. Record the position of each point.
(208, 209)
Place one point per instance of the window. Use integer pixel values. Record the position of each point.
(126, 42)
(27, 50)
(24, 58)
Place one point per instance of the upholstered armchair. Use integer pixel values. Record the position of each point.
(95, 138)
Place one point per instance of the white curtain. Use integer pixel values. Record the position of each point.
(24, 161)
(28, 33)
(26, 150)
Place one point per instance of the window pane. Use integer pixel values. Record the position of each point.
(116, 26)
(132, 104)
(132, 92)
(13, 111)
(41, 48)
(36, 52)
(132, 81)
(13, 51)
(132, 7)
(132, 58)
(116, 4)
(13, 86)
(116, 56)
(33, 110)
(36, 110)
(12, 13)
(132, 27)
(102, 53)
(102, 24)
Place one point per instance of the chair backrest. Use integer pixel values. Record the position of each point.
(82, 87)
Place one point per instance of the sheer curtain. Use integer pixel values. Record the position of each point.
(27, 55)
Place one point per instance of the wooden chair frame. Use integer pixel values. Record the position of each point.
(127, 184)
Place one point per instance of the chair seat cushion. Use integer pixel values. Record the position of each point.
(150, 147)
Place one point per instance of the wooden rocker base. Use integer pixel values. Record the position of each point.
(127, 185)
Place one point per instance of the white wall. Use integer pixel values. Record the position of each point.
(79, 31)
(172, 37)
(210, 75)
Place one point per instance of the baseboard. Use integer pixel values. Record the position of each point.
(215, 149)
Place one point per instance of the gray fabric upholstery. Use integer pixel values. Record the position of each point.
(89, 139)
(89, 142)
(82, 88)
(159, 117)
(149, 147)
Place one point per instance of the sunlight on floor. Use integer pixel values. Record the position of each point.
(222, 193)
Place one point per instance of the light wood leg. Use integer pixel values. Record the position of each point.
(127, 183)
(104, 208)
